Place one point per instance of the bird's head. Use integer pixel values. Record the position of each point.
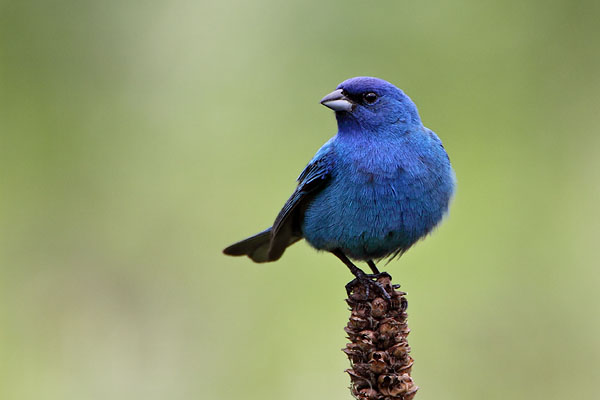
(372, 104)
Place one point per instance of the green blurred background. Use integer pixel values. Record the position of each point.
(140, 138)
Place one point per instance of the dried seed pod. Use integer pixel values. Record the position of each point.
(367, 394)
(362, 369)
(354, 353)
(389, 327)
(362, 310)
(404, 365)
(379, 356)
(378, 361)
(379, 307)
(365, 340)
(357, 323)
(378, 350)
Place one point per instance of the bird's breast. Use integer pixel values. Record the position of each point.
(378, 200)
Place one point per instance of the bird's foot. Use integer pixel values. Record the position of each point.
(369, 281)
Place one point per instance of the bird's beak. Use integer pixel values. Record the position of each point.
(337, 101)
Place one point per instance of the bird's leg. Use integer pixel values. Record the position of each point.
(353, 268)
(373, 267)
(361, 277)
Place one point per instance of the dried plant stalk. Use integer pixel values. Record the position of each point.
(378, 350)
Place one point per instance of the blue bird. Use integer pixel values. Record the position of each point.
(383, 182)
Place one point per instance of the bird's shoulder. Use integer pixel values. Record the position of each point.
(319, 168)
(433, 137)
(313, 178)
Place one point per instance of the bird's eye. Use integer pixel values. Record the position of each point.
(370, 97)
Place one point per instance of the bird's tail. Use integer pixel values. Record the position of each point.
(258, 247)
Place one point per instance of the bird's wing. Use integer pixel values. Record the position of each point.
(312, 179)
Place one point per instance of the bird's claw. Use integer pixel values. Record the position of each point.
(369, 280)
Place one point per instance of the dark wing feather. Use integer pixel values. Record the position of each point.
(313, 179)
(255, 247)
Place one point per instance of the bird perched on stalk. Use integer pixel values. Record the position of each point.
(379, 185)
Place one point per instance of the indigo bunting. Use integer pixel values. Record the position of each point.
(383, 182)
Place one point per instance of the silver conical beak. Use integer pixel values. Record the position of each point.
(337, 101)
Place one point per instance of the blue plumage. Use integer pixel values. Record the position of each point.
(373, 190)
